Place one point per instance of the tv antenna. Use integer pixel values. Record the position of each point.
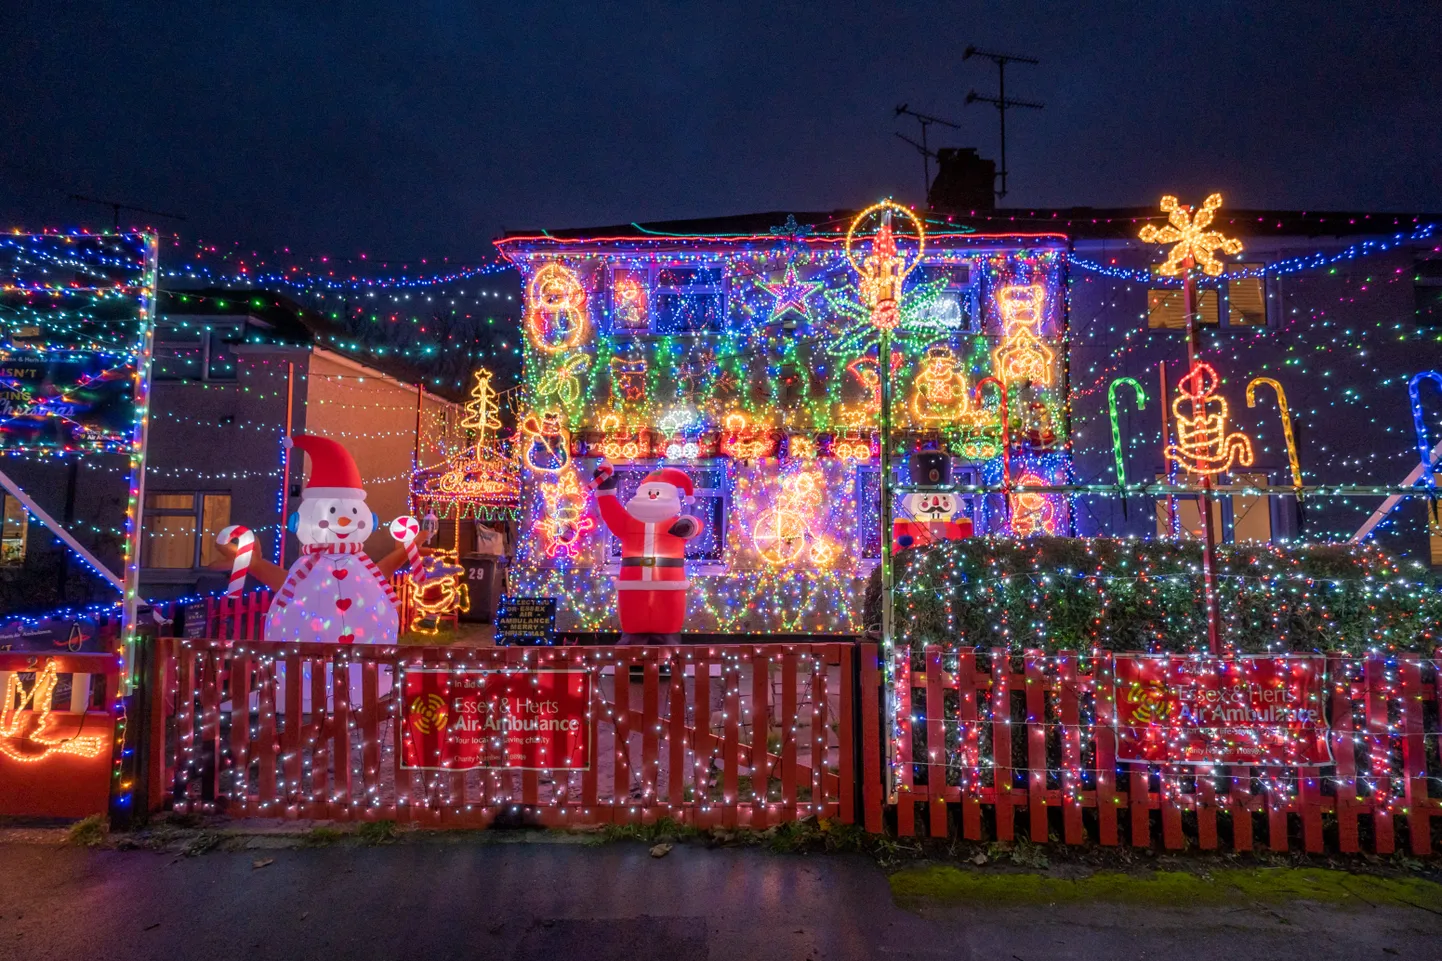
(926, 120)
(117, 206)
(1002, 104)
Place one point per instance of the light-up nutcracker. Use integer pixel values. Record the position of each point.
(651, 587)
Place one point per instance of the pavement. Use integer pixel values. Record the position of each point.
(561, 901)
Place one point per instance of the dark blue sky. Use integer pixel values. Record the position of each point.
(425, 128)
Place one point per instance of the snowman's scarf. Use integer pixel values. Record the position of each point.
(311, 555)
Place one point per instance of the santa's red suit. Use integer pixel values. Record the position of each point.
(651, 587)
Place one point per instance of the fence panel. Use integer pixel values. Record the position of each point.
(965, 725)
(726, 734)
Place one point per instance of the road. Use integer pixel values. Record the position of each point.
(607, 902)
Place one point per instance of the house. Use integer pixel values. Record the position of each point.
(740, 349)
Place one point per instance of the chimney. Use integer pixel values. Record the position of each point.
(964, 181)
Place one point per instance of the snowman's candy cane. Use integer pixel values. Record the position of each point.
(405, 530)
(244, 548)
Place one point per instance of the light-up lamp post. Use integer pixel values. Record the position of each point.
(1193, 247)
(880, 275)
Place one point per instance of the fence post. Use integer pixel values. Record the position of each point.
(872, 778)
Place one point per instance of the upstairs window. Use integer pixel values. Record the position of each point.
(952, 307)
(1221, 302)
(688, 300)
(196, 351)
(1427, 284)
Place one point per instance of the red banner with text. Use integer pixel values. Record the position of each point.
(1221, 710)
(522, 720)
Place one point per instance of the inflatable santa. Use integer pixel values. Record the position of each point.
(651, 588)
(333, 593)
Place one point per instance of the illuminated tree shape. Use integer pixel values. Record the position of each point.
(1191, 239)
(940, 394)
(482, 412)
(884, 267)
(1022, 355)
(555, 309)
(1203, 445)
(38, 702)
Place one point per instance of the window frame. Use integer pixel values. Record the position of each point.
(1221, 290)
(652, 272)
(207, 345)
(698, 565)
(196, 513)
(968, 295)
(6, 499)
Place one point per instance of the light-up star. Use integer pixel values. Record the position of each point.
(791, 293)
(1194, 242)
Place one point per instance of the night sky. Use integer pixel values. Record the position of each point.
(423, 129)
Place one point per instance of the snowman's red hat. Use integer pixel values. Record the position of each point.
(332, 470)
(675, 478)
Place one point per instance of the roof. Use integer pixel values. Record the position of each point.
(293, 323)
(1077, 223)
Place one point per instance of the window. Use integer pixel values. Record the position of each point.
(868, 501)
(1226, 301)
(14, 530)
(1251, 514)
(688, 299)
(1236, 518)
(1427, 281)
(194, 350)
(180, 529)
(710, 506)
(952, 306)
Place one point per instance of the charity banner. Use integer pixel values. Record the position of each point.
(1264, 710)
(465, 720)
(84, 401)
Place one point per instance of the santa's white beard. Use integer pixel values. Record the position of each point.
(653, 511)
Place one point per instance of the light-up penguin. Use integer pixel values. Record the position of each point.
(333, 593)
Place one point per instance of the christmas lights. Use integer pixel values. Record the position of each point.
(1190, 239)
(1203, 445)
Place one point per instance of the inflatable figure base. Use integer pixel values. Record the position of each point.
(651, 612)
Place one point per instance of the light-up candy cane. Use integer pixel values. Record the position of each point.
(1292, 460)
(1005, 425)
(244, 548)
(1419, 423)
(406, 530)
(1117, 429)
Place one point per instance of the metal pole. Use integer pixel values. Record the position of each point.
(285, 462)
(1001, 96)
(135, 514)
(1204, 498)
(883, 366)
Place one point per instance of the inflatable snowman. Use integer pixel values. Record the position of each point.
(334, 593)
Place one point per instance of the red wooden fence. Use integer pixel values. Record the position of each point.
(726, 735)
(991, 734)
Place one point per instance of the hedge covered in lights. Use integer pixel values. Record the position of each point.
(1054, 593)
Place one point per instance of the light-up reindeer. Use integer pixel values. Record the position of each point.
(1203, 445)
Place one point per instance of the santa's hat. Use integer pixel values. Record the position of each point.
(673, 478)
(332, 471)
